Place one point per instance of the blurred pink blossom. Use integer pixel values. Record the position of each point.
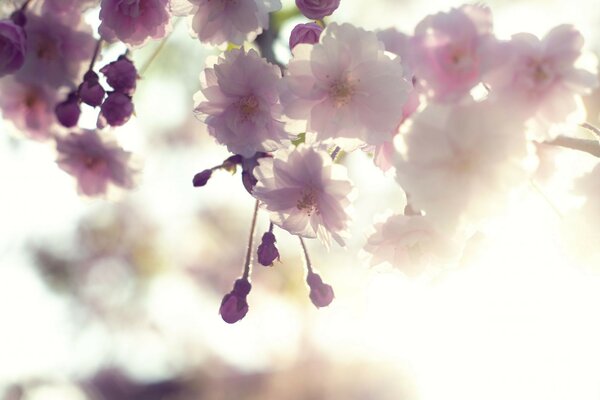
(133, 21)
(94, 162)
(12, 47)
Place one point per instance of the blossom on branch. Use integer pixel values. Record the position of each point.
(346, 86)
(239, 101)
(306, 193)
(133, 21)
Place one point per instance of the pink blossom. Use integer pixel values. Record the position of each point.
(461, 161)
(410, 243)
(541, 75)
(94, 162)
(57, 53)
(305, 192)
(12, 47)
(133, 21)
(67, 9)
(221, 21)
(317, 9)
(29, 106)
(345, 86)
(449, 51)
(239, 101)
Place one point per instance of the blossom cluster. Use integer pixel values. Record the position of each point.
(452, 111)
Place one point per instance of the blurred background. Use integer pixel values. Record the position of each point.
(117, 298)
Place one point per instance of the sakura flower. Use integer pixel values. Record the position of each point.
(94, 162)
(345, 86)
(461, 161)
(67, 9)
(57, 53)
(410, 243)
(221, 21)
(239, 101)
(541, 74)
(29, 106)
(12, 47)
(449, 51)
(133, 21)
(305, 192)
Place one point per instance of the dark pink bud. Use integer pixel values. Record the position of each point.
(68, 111)
(201, 178)
(317, 9)
(13, 46)
(321, 294)
(305, 33)
(90, 90)
(116, 109)
(121, 75)
(233, 308)
(242, 287)
(267, 252)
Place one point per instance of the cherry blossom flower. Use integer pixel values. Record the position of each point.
(57, 52)
(461, 161)
(67, 9)
(239, 101)
(29, 106)
(221, 21)
(450, 50)
(306, 193)
(94, 162)
(12, 47)
(317, 9)
(541, 74)
(410, 243)
(345, 86)
(133, 21)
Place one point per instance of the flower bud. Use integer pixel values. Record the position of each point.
(305, 33)
(201, 178)
(90, 90)
(321, 294)
(13, 46)
(234, 306)
(317, 9)
(267, 252)
(121, 75)
(68, 111)
(116, 109)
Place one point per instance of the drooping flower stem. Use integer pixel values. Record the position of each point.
(250, 243)
(306, 257)
(335, 153)
(25, 5)
(96, 53)
(592, 128)
(156, 52)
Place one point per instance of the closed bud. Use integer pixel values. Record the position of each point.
(321, 294)
(68, 111)
(201, 178)
(267, 252)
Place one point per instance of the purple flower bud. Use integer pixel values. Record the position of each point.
(267, 252)
(201, 178)
(317, 9)
(68, 111)
(19, 18)
(233, 308)
(305, 33)
(121, 75)
(13, 46)
(242, 287)
(90, 90)
(116, 109)
(234, 305)
(248, 164)
(321, 294)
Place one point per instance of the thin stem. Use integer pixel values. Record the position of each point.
(335, 153)
(156, 52)
(96, 52)
(546, 199)
(271, 227)
(250, 241)
(592, 128)
(306, 257)
(25, 5)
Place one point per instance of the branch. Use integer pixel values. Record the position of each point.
(586, 145)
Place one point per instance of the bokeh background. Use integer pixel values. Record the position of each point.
(117, 298)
